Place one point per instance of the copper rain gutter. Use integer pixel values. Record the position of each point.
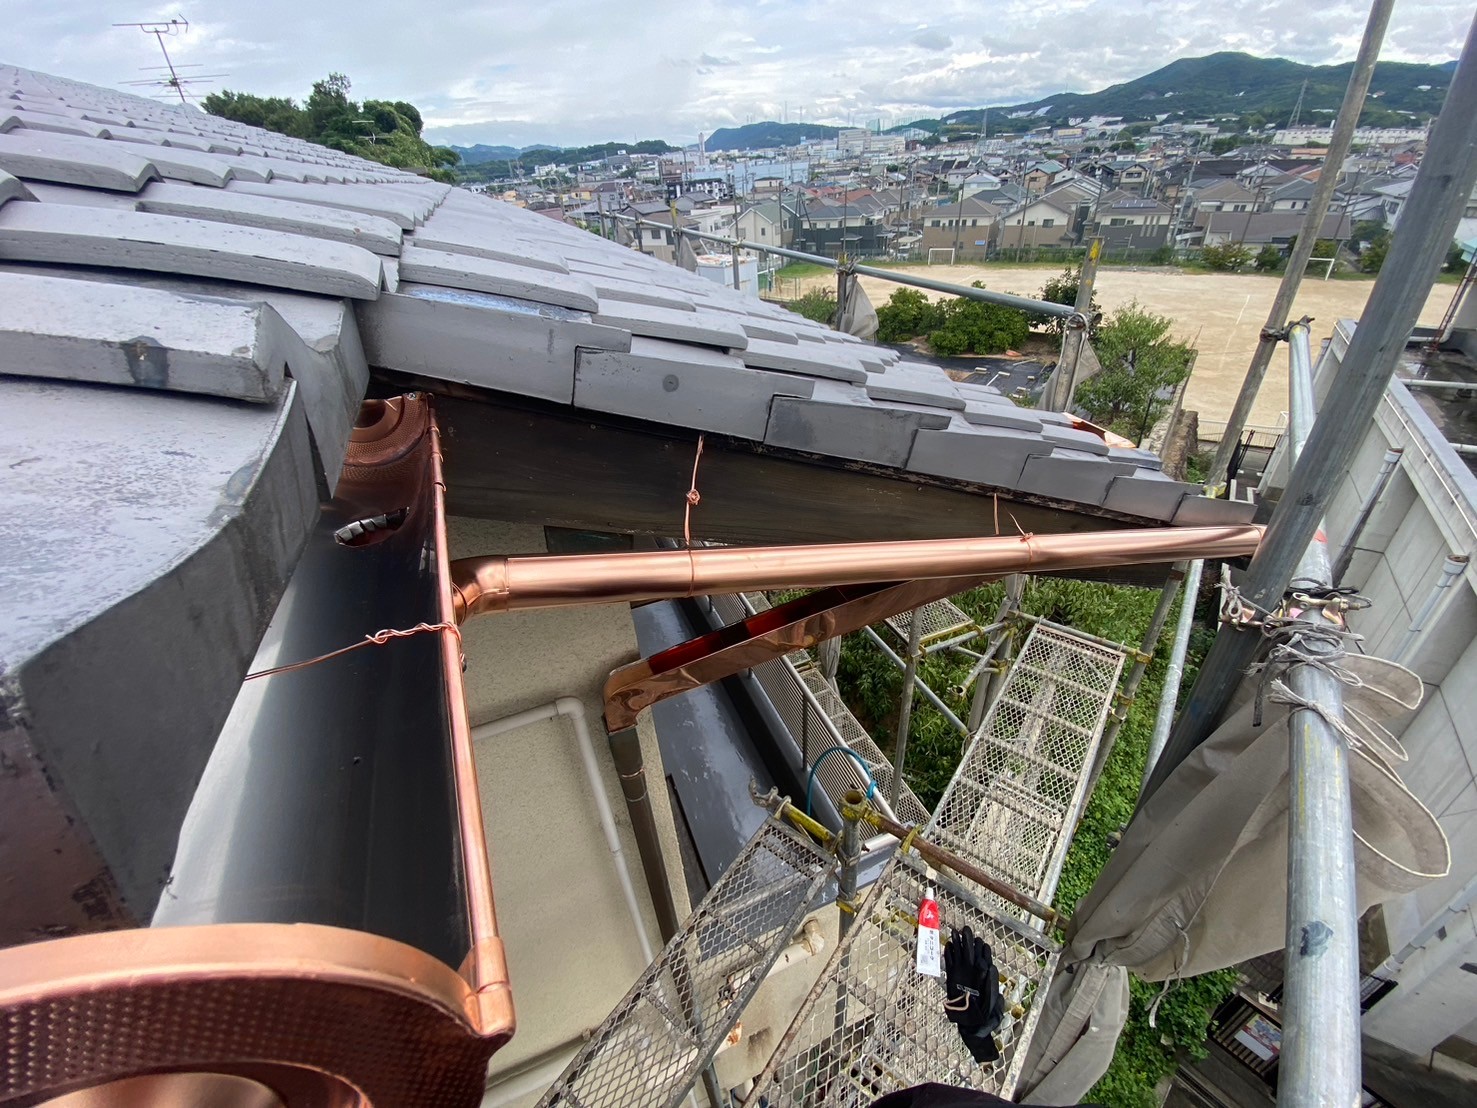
(510, 583)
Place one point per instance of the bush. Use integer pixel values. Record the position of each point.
(1227, 257)
(973, 327)
(1164, 255)
(1455, 263)
(1062, 289)
(817, 304)
(907, 314)
(1268, 259)
(1372, 258)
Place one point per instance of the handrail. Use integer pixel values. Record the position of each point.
(1074, 318)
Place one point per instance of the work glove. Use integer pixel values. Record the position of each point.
(972, 993)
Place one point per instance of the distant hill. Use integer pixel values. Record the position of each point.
(761, 136)
(476, 155)
(1240, 84)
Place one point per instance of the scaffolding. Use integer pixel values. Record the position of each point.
(872, 1024)
(666, 1030)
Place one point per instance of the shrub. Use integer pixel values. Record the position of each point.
(1062, 289)
(907, 314)
(973, 327)
(1268, 259)
(1373, 255)
(1164, 255)
(1227, 257)
(817, 304)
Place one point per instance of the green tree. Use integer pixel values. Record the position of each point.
(1228, 257)
(974, 327)
(1141, 365)
(1062, 289)
(1454, 263)
(907, 314)
(383, 131)
(1372, 257)
(1268, 259)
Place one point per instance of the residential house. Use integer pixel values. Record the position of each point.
(769, 222)
(1225, 195)
(1128, 222)
(1294, 196)
(832, 228)
(1039, 177)
(1045, 221)
(981, 183)
(1256, 229)
(659, 241)
(970, 227)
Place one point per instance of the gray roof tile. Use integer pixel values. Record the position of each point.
(913, 383)
(121, 335)
(374, 200)
(999, 415)
(444, 333)
(609, 287)
(60, 124)
(1150, 495)
(840, 420)
(67, 160)
(138, 240)
(674, 383)
(1195, 510)
(1071, 439)
(986, 455)
(808, 360)
(486, 241)
(706, 328)
(462, 271)
(1071, 475)
(12, 189)
(335, 224)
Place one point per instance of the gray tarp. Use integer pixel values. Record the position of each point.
(686, 255)
(1196, 883)
(857, 317)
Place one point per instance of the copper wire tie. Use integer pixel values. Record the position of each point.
(379, 638)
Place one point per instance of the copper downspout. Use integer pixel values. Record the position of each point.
(497, 584)
(486, 965)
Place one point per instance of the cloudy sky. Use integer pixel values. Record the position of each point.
(577, 71)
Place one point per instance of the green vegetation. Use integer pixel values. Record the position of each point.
(803, 269)
(818, 305)
(383, 131)
(1228, 257)
(1268, 259)
(1141, 366)
(973, 327)
(1062, 289)
(871, 685)
(907, 314)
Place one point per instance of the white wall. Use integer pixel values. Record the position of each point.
(1426, 513)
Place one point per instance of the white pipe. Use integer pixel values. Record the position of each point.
(573, 709)
(1454, 907)
(1452, 568)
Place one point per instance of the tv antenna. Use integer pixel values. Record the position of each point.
(175, 79)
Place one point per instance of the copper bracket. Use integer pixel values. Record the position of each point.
(796, 625)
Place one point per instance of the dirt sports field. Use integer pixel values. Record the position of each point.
(1221, 313)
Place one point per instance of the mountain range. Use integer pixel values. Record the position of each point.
(1216, 85)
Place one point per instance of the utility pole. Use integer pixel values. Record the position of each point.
(1064, 380)
(1338, 150)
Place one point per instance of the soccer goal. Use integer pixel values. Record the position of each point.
(940, 255)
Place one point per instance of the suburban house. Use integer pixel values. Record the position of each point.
(832, 228)
(1040, 177)
(1045, 221)
(971, 228)
(769, 222)
(1264, 228)
(1129, 222)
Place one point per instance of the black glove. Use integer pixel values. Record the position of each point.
(972, 993)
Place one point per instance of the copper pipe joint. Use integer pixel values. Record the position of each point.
(500, 584)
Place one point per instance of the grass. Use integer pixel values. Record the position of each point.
(871, 685)
(803, 269)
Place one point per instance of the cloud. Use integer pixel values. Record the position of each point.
(932, 40)
(578, 71)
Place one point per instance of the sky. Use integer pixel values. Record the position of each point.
(570, 72)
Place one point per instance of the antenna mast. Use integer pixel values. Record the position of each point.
(175, 80)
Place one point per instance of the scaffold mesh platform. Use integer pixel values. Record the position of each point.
(658, 1039)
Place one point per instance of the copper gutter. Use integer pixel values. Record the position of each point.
(509, 583)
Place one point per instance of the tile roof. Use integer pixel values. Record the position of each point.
(190, 309)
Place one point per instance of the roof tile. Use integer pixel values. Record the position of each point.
(462, 271)
(67, 160)
(674, 383)
(705, 328)
(840, 420)
(138, 240)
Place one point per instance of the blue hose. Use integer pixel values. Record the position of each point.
(815, 765)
